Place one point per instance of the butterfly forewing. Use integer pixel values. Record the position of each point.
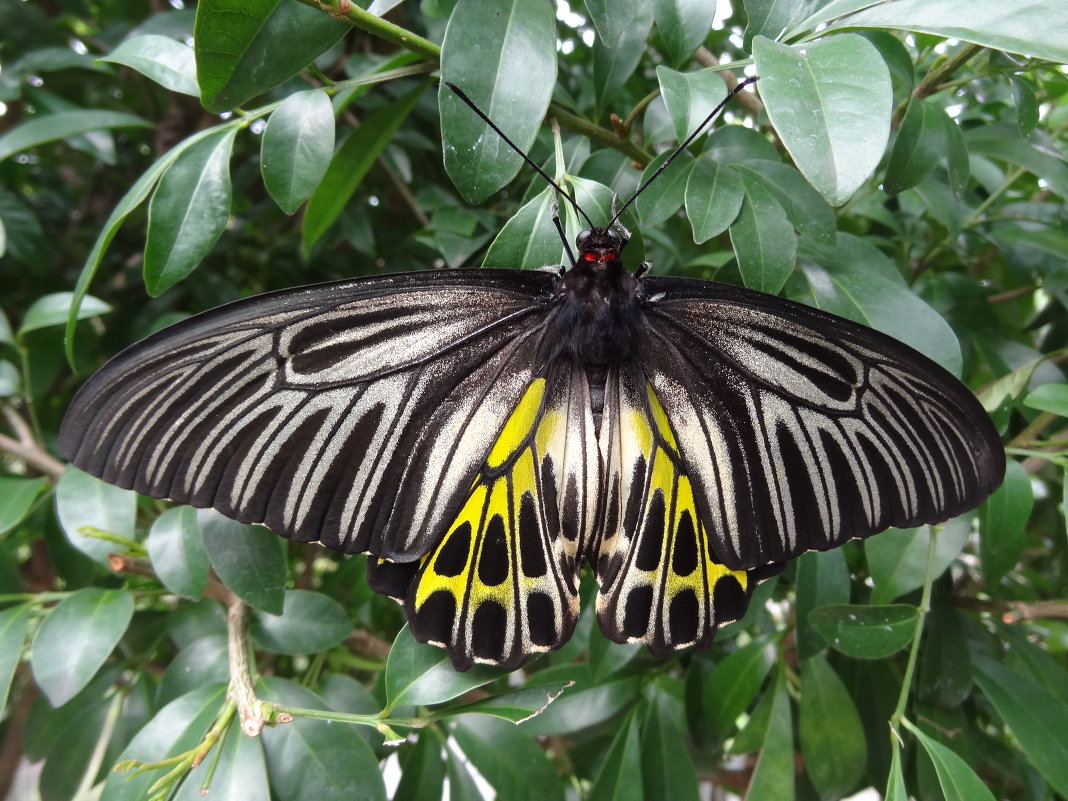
(309, 409)
(801, 430)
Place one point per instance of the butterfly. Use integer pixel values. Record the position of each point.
(485, 434)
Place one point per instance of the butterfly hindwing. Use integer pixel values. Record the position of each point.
(801, 430)
(503, 581)
(660, 581)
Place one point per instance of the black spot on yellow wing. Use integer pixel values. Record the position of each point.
(502, 582)
(660, 582)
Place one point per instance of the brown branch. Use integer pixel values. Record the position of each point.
(253, 712)
(367, 644)
(1012, 294)
(140, 566)
(1015, 611)
(33, 455)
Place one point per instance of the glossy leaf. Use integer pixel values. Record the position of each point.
(310, 622)
(355, 156)
(1037, 719)
(920, 145)
(246, 47)
(822, 580)
(169, 63)
(297, 146)
(418, 674)
(733, 685)
(204, 661)
(86, 505)
(830, 102)
(620, 776)
(586, 705)
(804, 206)
(769, 18)
(520, 705)
(1029, 28)
(76, 638)
(309, 760)
(173, 730)
(54, 309)
(832, 739)
(248, 560)
(189, 211)
(865, 632)
(1049, 398)
(945, 664)
(14, 625)
(177, 552)
(237, 771)
(1003, 519)
(422, 769)
(683, 26)
(773, 776)
(667, 193)
(61, 125)
(611, 18)
(615, 61)
(958, 781)
(690, 97)
(507, 758)
(667, 769)
(897, 558)
(1003, 143)
(763, 239)
(529, 239)
(503, 56)
(17, 496)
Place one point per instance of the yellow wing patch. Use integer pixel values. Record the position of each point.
(660, 583)
(503, 582)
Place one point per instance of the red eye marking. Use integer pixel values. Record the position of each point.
(589, 256)
(609, 256)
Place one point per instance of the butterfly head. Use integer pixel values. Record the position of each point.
(599, 247)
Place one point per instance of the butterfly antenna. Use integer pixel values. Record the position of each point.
(684, 145)
(460, 94)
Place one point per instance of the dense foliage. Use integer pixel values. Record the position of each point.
(900, 164)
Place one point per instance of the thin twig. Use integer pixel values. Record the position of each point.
(1016, 611)
(747, 99)
(34, 456)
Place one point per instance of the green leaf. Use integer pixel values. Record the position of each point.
(773, 776)
(959, 782)
(614, 61)
(85, 502)
(297, 146)
(77, 728)
(248, 560)
(690, 97)
(246, 47)
(203, 661)
(832, 738)
(53, 309)
(169, 63)
(919, 147)
(855, 280)
(76, 638)
(14, 624)
(419, 674)
(763, 239)
(189, 211)
(1049, 398)
(822, 580)
(768, 18)
(830, 102)
(713, 197)
(683, 26)
(1002, 142)
(17, 496)
(310, 622)
(517, 706)
(1031, 28)
(620, 776)
(895, 782)
(503, 56)
(175, 729)
(667, 770)
(236, 771)
(1004, 518)
(945, 666)
(177, 552)
(508, 758)
(586, 705)
(529, 240)
(897, 558)
(667, 193)
(422, 769)
(61, 125)
(309, 760)
(611, 18)
(865, 632)
(733, 685)
(804, 206)
(1037, 719)
(350, 164)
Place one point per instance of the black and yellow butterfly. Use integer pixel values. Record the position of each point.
(484, 434)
